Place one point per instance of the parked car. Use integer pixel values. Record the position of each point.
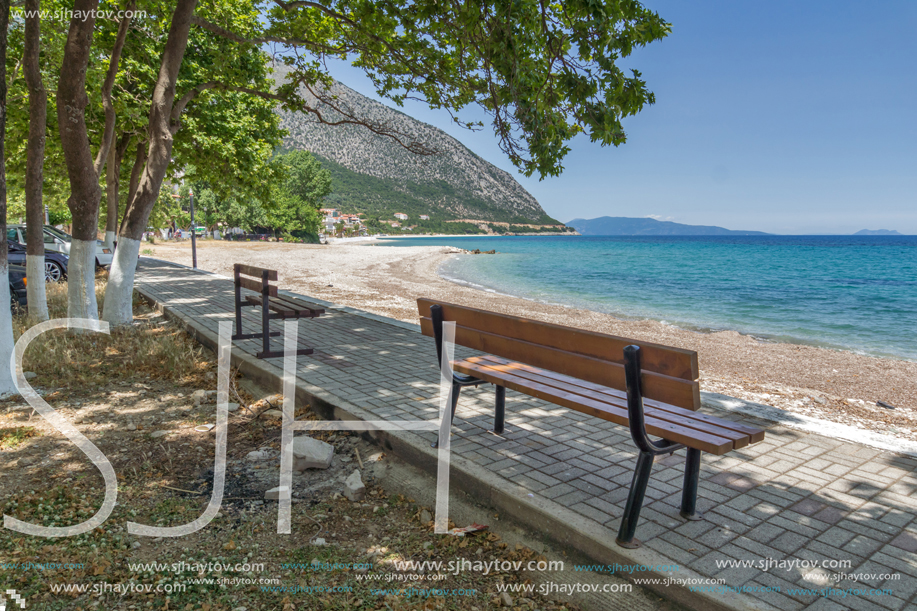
(58, 241)
(55, 263)
(18, 293)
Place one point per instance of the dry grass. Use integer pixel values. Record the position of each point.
(151, 347)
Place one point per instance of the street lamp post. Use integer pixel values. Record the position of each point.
(193, 232)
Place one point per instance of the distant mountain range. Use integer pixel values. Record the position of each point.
(877, 232)
(620, 225)
(374, 175)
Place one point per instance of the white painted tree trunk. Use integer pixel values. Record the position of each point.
(6, 333)
(110, 240)
(81, 280)
(35, 288)
(118, 308)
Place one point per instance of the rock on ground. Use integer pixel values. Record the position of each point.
(273, 494)
(309, 453)
(353, 487)
(258, 455)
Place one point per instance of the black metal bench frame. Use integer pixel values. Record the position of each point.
(648, 448)
(267, 291)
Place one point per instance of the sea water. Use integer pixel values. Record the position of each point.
(855, 293)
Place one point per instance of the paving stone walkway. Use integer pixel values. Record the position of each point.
(794, 497)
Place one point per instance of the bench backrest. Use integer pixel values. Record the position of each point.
(668, 374)
(266, 275)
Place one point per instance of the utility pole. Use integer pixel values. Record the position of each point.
(193, 232)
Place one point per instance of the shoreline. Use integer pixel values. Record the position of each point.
(833, 384)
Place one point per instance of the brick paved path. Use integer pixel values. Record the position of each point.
(794, 496)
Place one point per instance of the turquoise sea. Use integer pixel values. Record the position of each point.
(855, 293)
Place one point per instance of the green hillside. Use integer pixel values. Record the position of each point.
(381, 198)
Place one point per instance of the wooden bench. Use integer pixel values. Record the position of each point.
(651, 389)
(273, 306)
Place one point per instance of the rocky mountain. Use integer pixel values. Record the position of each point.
(380, 176)
(619, 225)
(877, 232)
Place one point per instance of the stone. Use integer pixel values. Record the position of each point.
(425, 516)
(158, 434)
(506, 599)
(199, 396)
(131, 426)
(232, 407)
(258, 455)
(136, 544)
(319, 542)
(309, 453)
(30, 375)
(275, 414)
(273, 494)
(353, 487)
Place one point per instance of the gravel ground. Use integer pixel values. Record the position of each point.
(832, 384)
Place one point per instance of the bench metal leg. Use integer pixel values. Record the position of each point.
(635, 501)
(456, 389)
(499, 409)
(689, 491)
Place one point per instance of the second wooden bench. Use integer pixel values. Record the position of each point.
(273, 306)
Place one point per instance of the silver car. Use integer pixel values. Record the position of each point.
(58, 241)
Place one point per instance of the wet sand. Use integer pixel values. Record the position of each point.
(832, 384)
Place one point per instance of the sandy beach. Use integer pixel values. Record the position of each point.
(835, 385)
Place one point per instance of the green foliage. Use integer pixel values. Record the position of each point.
(227, 138)
(291, 207)
(544, 72)
(299, 196)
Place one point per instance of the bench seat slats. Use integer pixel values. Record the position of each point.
(747, 433)
(286, 307)
(690, 437)
(675, 391)
(682, 417)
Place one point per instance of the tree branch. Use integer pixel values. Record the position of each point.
(224, 33)
(107, 86)
(179, 106)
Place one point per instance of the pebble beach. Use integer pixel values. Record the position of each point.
(836, 385)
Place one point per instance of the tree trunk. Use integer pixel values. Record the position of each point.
(34, 168)
(6, 319)
(136, 171)
(162, 126)
(113, 175)
(85, 192)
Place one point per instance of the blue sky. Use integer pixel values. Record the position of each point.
(786, 117)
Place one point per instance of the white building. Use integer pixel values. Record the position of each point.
(425, 217)
(401, 216)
